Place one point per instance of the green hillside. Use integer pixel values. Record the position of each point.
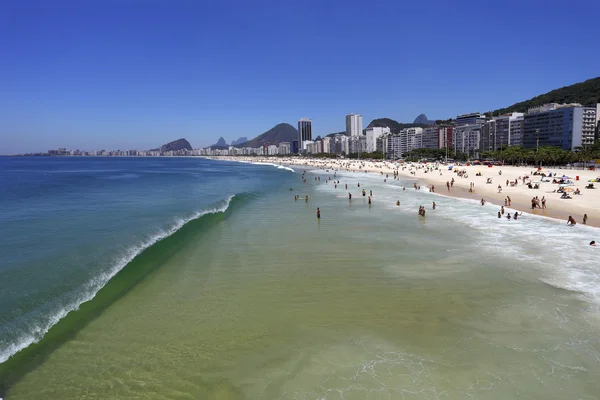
(585, 93)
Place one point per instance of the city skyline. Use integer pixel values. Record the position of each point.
(136, 77)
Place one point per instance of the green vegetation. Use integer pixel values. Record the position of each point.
(546, 155)
(434, 154)
(585, 93)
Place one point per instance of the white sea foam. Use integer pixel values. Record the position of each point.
(278, 166)
(541, 246)
(91, 288)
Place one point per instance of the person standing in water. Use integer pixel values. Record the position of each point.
(434, 205)
(318, 213)
(585, 219)
(306, 199)
(571, 221)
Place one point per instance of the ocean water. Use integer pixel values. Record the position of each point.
(200, 279)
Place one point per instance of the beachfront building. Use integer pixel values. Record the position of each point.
(284, 148)
(304, 133)
(430, 137)
(562, 125)
(326, 144)
(272, 150)
(354, 125)
(445, 136)
(488, 136)
(516, 129)
(294, 146)
(357, 144)
(467, 139)
(394, 146)
(410, 139)
(470, 119)
(382, 143)
(371, 137)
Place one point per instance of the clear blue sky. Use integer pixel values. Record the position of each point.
(134, 74)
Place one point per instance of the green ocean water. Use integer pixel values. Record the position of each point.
(264, 301)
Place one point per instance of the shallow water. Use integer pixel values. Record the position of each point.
(266, 301)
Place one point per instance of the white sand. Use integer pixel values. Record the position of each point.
(586, 203)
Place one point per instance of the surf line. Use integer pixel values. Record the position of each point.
(16, 359)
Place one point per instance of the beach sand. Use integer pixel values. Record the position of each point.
(586, 203)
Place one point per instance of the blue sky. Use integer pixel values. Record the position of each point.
(134, 74)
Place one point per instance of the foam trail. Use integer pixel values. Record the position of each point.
(278, 166)
(92, 287)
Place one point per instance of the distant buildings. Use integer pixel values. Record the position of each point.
(567, 126)
(354, 125)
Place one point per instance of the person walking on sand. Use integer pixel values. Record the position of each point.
(543, 202)
(508, 198)
(448, 185)
(585, 219)
(499, 188)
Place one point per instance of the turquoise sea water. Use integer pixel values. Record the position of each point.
(207, 280)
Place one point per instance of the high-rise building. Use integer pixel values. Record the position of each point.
(566, 126)
(445, 137)
(466, 139)
(372, 134)
(304, 132)
(431, 137)
(516, 129)
(354, 125)
(470, 119)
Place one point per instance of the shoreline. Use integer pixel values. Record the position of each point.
(558, 209)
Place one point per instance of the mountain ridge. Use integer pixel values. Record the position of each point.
(282, 132)
(175, 145)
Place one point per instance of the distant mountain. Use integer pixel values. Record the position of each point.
(585, 93)
(241, 140)
(220, 145)
(394, 126)
(422, 119)
(336, 133)
(179, 144)
(279, 133)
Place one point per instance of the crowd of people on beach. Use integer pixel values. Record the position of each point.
(536, 202)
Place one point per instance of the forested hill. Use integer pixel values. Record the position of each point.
(585, 93)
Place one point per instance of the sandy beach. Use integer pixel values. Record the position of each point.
(437, 175)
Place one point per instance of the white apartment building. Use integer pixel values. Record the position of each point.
(354, 125)
(272, 150)
(371, 137)
(467, 139)
(326, 145)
